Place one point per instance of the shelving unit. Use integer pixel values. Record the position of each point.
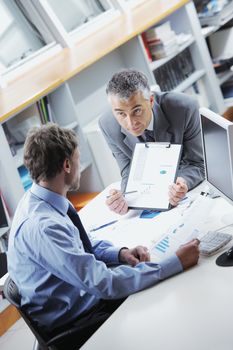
(186, 21)
(219, 19)
(223, 77)
(190, 80)
(158, 63)
(210, 26)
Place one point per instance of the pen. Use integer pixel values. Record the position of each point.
(124, 193)
(104, 225)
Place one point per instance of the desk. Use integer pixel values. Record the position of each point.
(193, 310)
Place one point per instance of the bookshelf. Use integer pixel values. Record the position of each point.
(172, 74)
(74, 80)
(216, 29)
(158, 63)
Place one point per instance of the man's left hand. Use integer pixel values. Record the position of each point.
(134, 256)
(177, 191)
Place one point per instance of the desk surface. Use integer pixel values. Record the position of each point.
(192, 310)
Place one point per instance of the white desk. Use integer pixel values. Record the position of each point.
(190, 311)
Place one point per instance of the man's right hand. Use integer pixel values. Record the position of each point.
(189, 253)
(116, 202)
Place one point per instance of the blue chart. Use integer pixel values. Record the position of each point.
(163, 245)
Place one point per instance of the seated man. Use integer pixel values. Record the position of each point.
(62, 274)
(140, 116)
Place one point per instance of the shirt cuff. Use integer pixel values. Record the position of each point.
(171, 266)
(112, 255)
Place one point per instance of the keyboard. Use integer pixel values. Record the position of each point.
(212, 241)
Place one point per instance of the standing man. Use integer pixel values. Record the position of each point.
(61, 273)
(139, 116)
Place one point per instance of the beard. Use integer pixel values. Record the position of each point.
(74, 186)
(73, 183)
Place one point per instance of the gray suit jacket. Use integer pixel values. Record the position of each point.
(176, 120)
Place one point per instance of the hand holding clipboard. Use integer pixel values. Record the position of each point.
(153, 169)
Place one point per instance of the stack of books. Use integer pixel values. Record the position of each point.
(161, 41)
(175, 71)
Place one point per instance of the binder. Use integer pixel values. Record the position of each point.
(153, 168)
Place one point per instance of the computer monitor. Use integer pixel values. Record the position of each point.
(217, 138)
(4, 218)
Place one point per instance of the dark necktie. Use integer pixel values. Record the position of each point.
(149, 135)
(73, 215)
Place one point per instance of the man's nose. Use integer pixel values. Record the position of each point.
(130, 121)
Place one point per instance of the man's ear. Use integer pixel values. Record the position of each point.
(67, 166)
(152, 100)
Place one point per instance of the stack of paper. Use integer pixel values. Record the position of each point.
(162, 41)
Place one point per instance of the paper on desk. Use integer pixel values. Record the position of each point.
(132, 230)
(189, 226)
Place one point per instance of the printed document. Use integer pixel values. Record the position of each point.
(191, 224)
(153, 169)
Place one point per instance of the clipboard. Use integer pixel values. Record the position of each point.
(153, 168)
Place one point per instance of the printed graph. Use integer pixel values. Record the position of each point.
(163, 245)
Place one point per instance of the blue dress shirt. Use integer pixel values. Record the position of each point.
(57, 279)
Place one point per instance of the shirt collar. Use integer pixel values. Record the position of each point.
(59, 202)
(151, 125)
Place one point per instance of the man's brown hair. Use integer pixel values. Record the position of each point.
(46, 148)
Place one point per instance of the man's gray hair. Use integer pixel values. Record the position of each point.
(128, 82)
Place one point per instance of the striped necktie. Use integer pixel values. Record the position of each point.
(73, 215)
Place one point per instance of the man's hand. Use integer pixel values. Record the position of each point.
(134, 256)
(116, 202)
(189, 253)
(177, 191)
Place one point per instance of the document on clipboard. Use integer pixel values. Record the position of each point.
(153, 168)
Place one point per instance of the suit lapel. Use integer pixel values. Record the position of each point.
(129, 139)
(161, 125)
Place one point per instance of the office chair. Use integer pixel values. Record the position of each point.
(41, 342)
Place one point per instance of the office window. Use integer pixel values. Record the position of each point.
(75, 14)
(21, 33)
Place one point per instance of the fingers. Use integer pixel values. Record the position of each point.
(113, 191)
(135, 255)
(194, 241)
(141, 257)
(177, 191)
(189, 253)
(132, 260)
(116, 202)
(139, 254)
(143, 253)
